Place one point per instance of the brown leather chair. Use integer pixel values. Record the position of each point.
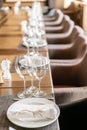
(57, 28)
(61, 37)
(76, 50)
(62, 44)
(70, 73)
(57, 20)
(70, 81)
(71, 93)
(70, 87)
(51, 16)
(73, 116)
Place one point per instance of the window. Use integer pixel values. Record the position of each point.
(67, 3)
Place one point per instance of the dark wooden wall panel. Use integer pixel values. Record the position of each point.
(1, 2)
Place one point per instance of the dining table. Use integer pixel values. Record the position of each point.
(11, 46)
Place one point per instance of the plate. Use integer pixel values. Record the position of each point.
(33, 122)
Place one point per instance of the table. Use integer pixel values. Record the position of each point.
(14, 85)
(5, 124)
(10, 40)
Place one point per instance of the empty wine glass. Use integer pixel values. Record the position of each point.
(22, 72)
(30, 70)
(30, 41)
(40, 66)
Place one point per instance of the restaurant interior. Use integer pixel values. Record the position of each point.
(43, 64)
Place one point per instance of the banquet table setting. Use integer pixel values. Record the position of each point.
(27, 99)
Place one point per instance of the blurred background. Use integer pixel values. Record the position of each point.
(76, 9)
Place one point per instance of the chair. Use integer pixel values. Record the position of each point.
(76, 50)
(70, 73)
(67, 95)
(70, 87)
(51, 16)
(61, 37)
(50, 13)
(62, 44)
(73, 116)
(58, 28)
(55, 21)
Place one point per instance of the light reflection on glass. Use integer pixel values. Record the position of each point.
(10, 128)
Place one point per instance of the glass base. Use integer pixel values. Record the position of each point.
(23, 95)
(31, 90)
(39, 94)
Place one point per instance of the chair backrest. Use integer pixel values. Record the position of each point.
(68, 23)
(63, 75)
(52, 12)
(82, 72)
(55, 21)
(56, 27)
(72, 72)
(61, 37)
(60, 42)
(77, 30)
(60, 18)
(79, 45)
(51, 17)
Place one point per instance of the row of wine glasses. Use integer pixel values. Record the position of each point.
(33, 29)
(34, 66)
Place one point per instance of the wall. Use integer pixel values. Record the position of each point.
(85, 18)
(1, 2)
(51, 3)
(59, 4)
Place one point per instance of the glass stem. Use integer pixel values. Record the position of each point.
(39, 84)
(28, 50)
(32, 82)
(24, 84)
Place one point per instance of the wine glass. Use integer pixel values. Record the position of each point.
(40, 66)
(29, 40)
(30, 70)
(22, 72)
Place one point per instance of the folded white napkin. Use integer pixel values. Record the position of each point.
(31, 112)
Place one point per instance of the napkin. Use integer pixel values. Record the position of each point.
(24, 112)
